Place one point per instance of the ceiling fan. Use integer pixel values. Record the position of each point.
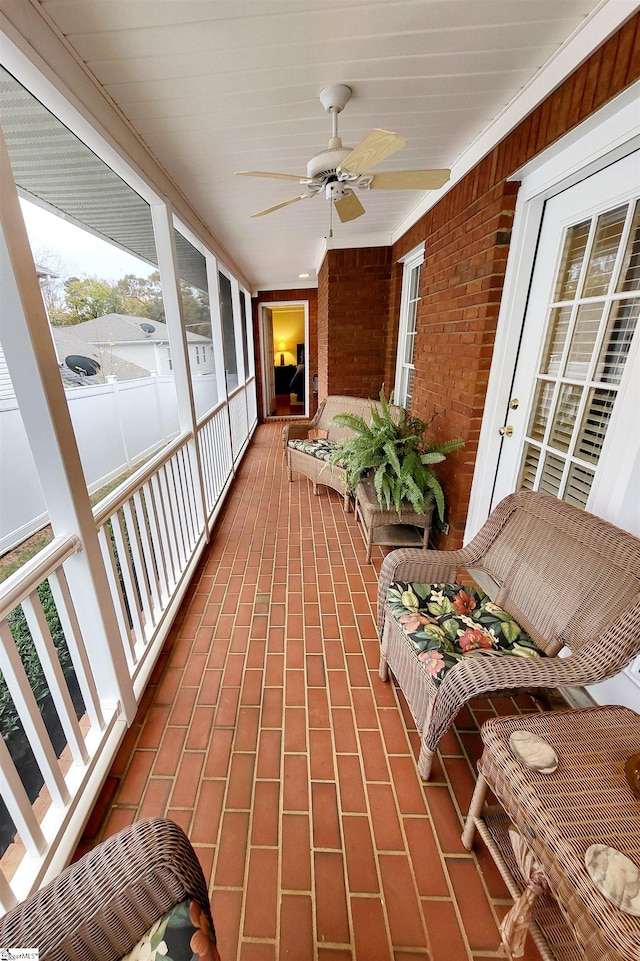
(337, 170)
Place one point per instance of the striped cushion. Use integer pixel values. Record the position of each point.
(319, 447)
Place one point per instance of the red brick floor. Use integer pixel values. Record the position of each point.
(268, 736)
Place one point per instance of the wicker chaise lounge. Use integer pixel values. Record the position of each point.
(567, 578)
(307, 454)
(101, 906)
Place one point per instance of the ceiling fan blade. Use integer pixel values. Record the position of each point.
(410, 180)
(285, 203)
(376, 146)
(349, 208)
(267, 173)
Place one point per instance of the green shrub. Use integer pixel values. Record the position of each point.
(22, 635)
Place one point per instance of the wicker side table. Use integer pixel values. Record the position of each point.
(387, 527)
(586, 801)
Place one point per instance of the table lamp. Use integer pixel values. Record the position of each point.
(282, 347)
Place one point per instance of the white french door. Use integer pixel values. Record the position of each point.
(573, 424)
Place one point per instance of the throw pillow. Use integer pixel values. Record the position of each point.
(182, 934)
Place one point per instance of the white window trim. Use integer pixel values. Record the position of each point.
(415, 258)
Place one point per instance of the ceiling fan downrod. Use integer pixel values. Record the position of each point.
(334, 99)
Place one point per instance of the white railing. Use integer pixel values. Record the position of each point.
(252, 404)
(148, 531)
(151, 531)
(215, 452)
(48, 641)
(239, 421)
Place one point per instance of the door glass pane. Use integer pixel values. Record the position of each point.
(583, 340)
(565, 417)
(617, 341)
(555, 340)
(529, 467)
(578, 486)
(604, 251)
(594, 424)
(541, 408)
(575, 245)
(630, 273)
(551, 477)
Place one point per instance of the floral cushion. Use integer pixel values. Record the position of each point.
(319, 447)
(182, 934)
(447, 623)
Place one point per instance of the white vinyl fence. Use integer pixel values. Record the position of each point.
(117, 425)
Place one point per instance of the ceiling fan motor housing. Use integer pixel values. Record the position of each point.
(324, 164)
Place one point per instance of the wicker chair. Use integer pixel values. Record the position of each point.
(567, 577)
(102, 905)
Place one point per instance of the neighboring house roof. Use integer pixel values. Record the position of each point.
(123, 328)
(69, 343)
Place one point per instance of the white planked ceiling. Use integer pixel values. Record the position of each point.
(215, 86)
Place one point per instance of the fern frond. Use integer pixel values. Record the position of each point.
(354, 421)
(435, 487)
(432, 457)
(392, 456)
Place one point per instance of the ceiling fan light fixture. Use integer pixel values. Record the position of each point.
(336, 191)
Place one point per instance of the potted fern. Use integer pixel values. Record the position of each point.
(393, 451)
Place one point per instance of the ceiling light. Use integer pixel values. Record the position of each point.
(303, 276)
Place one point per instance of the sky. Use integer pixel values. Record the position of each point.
(78, 252)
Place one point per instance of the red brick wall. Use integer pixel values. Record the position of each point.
(272, 296)
(353, 314)
(467, 239)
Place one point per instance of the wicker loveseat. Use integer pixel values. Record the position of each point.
(307, 453)
(101, 906)
(567, 579)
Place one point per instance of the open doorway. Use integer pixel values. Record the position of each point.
(283, 341)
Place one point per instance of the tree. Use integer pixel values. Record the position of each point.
(83, 298)
(87, 298)
(141, 296)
